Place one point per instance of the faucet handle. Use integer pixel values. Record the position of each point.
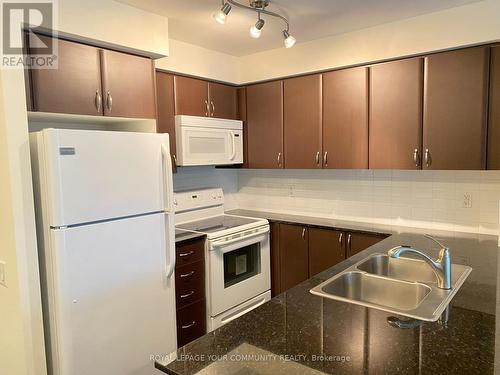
(436, 241)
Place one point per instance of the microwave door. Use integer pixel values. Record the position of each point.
(209, 146)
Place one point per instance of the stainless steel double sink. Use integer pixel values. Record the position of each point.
(402, 286)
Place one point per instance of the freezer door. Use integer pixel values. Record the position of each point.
(110, 307)
(88, 176)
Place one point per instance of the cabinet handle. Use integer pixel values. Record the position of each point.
(428, 160)
(279, 159)
(188, 325)
(317, 158)
(187, 294)
(303, 233)
(341, 238)
(186, 254)
(175, 160)
(186, 274)
(416, 159)
(349, 242)
(98, 101)
(207, 109)
(325, 159)
(109, 101)
(213, 108)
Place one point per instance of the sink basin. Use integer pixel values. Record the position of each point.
(403, 286)
(367, 288)
(398, 268)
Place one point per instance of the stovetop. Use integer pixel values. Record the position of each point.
(219, 223)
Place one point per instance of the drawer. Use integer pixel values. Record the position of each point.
(189, 283)
(189, 252)
(191, 323)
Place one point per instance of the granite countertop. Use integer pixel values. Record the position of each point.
(301, 333)
(185, 235)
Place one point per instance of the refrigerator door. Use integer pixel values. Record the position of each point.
(109, 304)
(88, 176)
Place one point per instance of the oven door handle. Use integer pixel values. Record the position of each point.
(230, 318)
(222, 243)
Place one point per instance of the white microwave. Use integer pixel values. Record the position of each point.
(208, 141)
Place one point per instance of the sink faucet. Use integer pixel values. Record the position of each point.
(440, 266)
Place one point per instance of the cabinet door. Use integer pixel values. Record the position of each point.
(345, 119)
(275, 259)
(455, 105)
(494, 122)
(294, 255)
(127, 85)
(265, 125)
(396, 115)
(223, 101)
(242, 115)
(325, 249)
(302, 122)
(75, 86)
(166, 110)
(191, 96)
(357, 242)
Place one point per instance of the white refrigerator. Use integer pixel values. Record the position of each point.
(106, 240)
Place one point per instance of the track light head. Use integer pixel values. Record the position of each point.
(221, 15)
(289, 40)
(256, 30)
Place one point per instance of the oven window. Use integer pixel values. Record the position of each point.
(241, 264)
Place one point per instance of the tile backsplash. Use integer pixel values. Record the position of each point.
(465, 201)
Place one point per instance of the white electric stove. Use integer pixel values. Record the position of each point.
(237, 254)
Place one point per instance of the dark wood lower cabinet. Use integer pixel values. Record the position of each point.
(190, 291)
(294, 255)
(299, 252)
(325, 249)
(357, 242)
(191, 323)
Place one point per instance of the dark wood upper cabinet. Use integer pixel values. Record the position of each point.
(74, 87)
(294, 254)
(303, 122)
(265, 125)
(494, 115)
(357, 242)
(223, 101)
(326, 249)
(127, 85)
(165, 122)
(396, 115)
(242, 115)
(455, 109)
(191, 96)
(345, 119)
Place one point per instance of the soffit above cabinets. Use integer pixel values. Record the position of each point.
(192, 22)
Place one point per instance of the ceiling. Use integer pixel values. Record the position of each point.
(190, 20)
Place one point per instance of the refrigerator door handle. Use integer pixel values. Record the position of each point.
(169, 208)
(167, 179)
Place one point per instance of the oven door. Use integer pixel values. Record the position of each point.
(239, 269)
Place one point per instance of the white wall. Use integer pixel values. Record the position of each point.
(460, 26)
(192, 178)
(21, 341)
(424, 199)
(201, 62)
(115, 24)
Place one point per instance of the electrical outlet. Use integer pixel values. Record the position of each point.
(467, 202)
(291, 190)
(3, 276)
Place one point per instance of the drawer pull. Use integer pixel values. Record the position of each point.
(188, 325)
(182, 275)
(186, 254)
(187, 294)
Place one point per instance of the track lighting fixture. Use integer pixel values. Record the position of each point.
(258, 6)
